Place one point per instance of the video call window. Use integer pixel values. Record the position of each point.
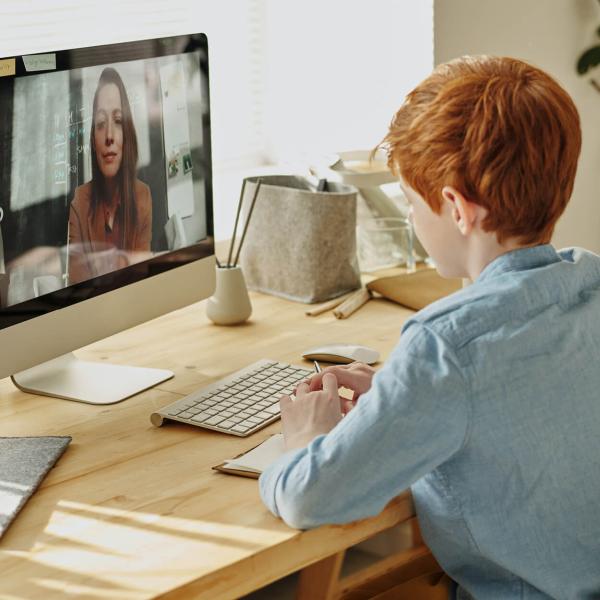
(103, 167)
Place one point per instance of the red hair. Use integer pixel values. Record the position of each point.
(502, 132)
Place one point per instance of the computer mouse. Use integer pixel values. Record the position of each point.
(342, 353)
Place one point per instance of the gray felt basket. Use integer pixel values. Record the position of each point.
(300, 244)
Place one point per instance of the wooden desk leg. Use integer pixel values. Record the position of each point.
(320, 580)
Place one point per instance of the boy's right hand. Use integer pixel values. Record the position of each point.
(356, 376)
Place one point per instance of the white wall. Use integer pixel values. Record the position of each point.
(337, 70)
(550, 34)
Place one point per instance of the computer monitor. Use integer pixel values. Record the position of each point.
(105, 206)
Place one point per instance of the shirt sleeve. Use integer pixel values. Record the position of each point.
(414, 418)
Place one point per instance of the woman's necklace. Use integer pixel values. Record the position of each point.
(109, 213)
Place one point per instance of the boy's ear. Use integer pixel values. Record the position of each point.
(463, 212)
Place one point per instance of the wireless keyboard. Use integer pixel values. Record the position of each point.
(239, 404)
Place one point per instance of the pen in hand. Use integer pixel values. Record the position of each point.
(307, 381)
(318, 370)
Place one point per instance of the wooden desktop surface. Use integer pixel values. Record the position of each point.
(132, 511)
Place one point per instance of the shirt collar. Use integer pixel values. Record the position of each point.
(521, 259)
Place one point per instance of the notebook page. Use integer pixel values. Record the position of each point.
(258, 459)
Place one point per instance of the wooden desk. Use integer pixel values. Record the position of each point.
(132, 511)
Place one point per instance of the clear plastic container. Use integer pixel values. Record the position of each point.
(385, 242)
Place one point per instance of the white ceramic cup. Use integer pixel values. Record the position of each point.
(230, 304)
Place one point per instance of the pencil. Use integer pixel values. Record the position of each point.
(237, 256)
(317, 366)
(352, 304)
(317, 310)
(237, 218)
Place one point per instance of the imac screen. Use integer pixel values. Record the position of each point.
(105, 170)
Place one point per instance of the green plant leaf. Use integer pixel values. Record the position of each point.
(590, 58)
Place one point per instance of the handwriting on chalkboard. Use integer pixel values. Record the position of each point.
(69, 126)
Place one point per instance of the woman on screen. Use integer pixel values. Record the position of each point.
(110, 220)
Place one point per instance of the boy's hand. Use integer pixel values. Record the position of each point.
(356, 376)
(311, 413)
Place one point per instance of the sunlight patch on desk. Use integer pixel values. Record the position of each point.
(122, 549)
(87, 591)
(170, 524)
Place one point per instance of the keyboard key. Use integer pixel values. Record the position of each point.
(186, 415)
(280, 385)
(264, 415)
(240, 428)
(249, 424)
(214, 420)
(201, 417)
(227, 424)
(274, 409)
(189, 403)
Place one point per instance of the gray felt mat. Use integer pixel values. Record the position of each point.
(24, 462)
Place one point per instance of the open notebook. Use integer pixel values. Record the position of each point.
(255, 461)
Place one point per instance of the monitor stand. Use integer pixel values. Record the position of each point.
(69, 378)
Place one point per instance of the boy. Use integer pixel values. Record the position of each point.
(489, 406)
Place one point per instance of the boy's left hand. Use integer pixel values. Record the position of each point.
(311, 413)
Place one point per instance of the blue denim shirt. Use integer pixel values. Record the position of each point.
(489, 409)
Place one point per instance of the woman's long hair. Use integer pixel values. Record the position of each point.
(126, 176)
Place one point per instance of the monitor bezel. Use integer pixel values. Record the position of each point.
(98, 286)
